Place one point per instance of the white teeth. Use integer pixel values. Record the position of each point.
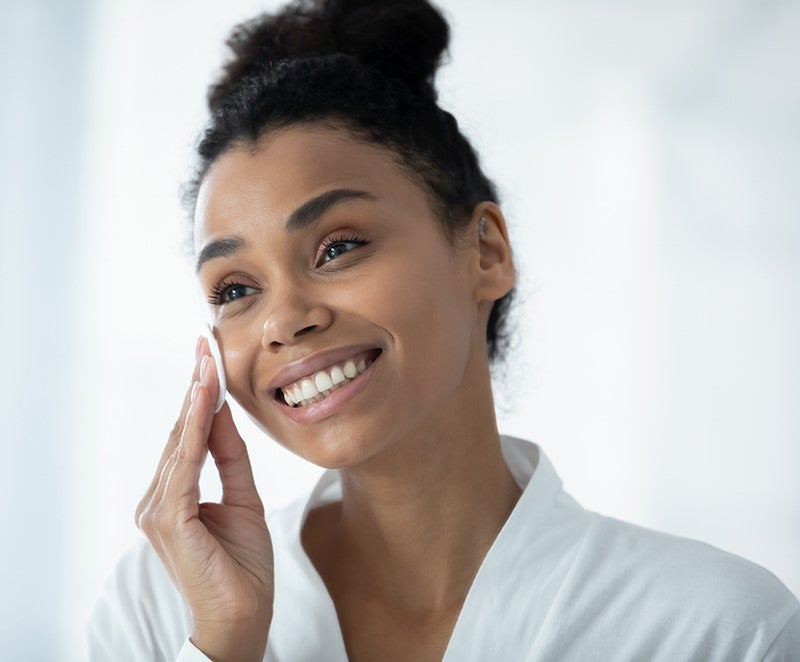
(337, 375)
(323, 381)
(318, 386)
(309, 390)
(297, 393)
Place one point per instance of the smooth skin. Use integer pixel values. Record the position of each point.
(218, 555)
(425, 487)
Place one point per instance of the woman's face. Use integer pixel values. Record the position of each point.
(315, 249)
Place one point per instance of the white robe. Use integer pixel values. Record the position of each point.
(559, 583)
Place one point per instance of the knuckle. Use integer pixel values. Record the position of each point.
(183, 450)
(144, 522)
(258, 506)
(177, 429)
(154, 520)
(137, 517)
(142, 510)
(179, 454)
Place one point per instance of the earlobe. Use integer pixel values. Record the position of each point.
(494, 270)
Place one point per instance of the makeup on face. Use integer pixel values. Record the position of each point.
(302, 313)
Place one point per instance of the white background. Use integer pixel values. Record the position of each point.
(648, 157)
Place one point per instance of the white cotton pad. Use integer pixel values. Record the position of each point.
(217, 356)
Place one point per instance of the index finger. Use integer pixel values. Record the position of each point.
(201, 350)
(181, 485)
(233, 463)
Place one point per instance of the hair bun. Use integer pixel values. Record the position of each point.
(404, 39)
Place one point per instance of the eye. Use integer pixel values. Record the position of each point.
(228, 292)
(335, 246)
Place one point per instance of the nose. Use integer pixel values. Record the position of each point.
(290, 318)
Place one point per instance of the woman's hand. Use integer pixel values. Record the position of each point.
(219, 555)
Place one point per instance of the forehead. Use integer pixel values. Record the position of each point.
(267, 181)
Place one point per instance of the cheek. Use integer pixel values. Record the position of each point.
(238, 349)
(426, 309)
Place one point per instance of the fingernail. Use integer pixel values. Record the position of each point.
(195, 386)
(197, 347)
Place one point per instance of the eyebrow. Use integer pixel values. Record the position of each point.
(301, 218)
(221, 248)
(311, 210)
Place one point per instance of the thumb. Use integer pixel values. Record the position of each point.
(233, 463)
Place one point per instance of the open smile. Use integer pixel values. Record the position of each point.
(320, 384)
(324, 392)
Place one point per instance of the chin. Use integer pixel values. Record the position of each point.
(336, 447)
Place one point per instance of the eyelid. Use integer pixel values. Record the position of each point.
(224, 285)
(343, 237)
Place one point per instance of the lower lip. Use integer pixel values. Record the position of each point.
(332, 404)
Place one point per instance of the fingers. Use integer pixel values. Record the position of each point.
(233, 463)
(218, 555)
(173, 503)
(209, 376)
(181, 486)
(201, 350)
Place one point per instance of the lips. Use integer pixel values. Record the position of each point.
(314, 379)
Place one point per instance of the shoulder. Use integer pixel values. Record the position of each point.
(682, 565)
(608, 589)
(682, 588)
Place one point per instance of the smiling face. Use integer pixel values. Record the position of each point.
(315, 248)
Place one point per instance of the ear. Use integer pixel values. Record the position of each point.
(493, 269)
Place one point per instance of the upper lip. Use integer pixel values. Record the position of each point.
(309, 365)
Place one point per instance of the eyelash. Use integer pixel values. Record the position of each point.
(217, 296)
(341, 239)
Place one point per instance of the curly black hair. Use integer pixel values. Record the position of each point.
(364, 66)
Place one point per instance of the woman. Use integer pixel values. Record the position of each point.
(359, 271)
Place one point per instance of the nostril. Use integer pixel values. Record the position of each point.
(277, 344)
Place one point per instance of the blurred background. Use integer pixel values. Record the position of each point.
(648, 155)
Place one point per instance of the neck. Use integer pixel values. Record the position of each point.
(416, 522)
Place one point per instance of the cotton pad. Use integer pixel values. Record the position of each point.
(213, 346)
